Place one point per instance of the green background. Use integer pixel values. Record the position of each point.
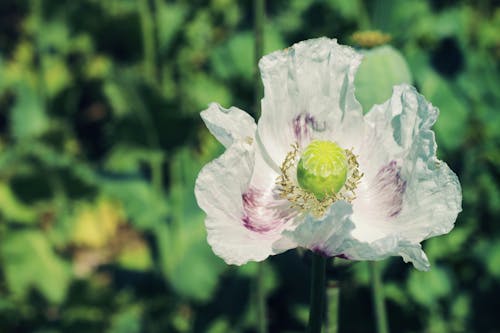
(101, 140)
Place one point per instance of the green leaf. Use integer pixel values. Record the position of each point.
(30, 262)
(127, 158)
(489, 254)
(460, 312)
(491, 188)
(170, 18)
(198, 31)
(188, 263)
(461, 306)
(3, 82)
(56, 75)
(123, 91)
(448, 245)
(436, 323)
(126, 321)
(381, 69)
(394, 15)
(219, 325)
(14, 210)
(290, 18)
(54, 35)
(427, 287)
(117, 97)
(395, 293)
(452, 22)
(347, 8)
(362, 272)
(136, 257)
(452, 121)
(27, 118)
(235, 58)
(143, 205)
(202, 89)
(270, 278)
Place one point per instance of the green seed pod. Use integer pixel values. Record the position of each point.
(322, 168)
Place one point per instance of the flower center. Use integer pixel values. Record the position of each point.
(322, 168)
(325, 173)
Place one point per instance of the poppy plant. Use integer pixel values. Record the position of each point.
(316, 172)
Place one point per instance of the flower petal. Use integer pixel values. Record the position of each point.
(385, 247)
(407, 194)
(228, 125)
(413, 253)
(243, 216)
(433, 197)
(309, 92)
(325, 235)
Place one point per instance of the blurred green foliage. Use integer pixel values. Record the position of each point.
(101, 140)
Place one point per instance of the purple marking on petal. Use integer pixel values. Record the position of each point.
(319, 250)
(261, 229)
(390, 187)
(303, 125)
(264, 213)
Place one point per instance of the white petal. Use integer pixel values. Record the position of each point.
(384, 248)
(229, 125)
(407, 194)
(414, 254)
(221, 182)
(433, 196)
(325, 235)
(308, 93)
(404, 116)
(243, 219)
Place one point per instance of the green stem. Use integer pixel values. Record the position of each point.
(381, 11)
(58, 193)
(259, 10)
(316, 306)
(156, 164)
(148, 40)
(378, 298)
(332, 298)
(364, 17)
(261, 299)
(157, 26)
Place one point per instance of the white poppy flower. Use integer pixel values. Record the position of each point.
(318, 174)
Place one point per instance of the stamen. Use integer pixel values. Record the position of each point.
(305, 201)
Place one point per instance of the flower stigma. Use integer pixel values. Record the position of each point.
(323, 174)
(322, 168)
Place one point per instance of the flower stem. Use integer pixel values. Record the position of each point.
(363, 17)
(158, 22)
(378, 298)
(332, 299)
(156, 165)
(261, 300)
(316, 306)
(148, 40)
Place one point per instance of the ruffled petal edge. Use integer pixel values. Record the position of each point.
(229, 125)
